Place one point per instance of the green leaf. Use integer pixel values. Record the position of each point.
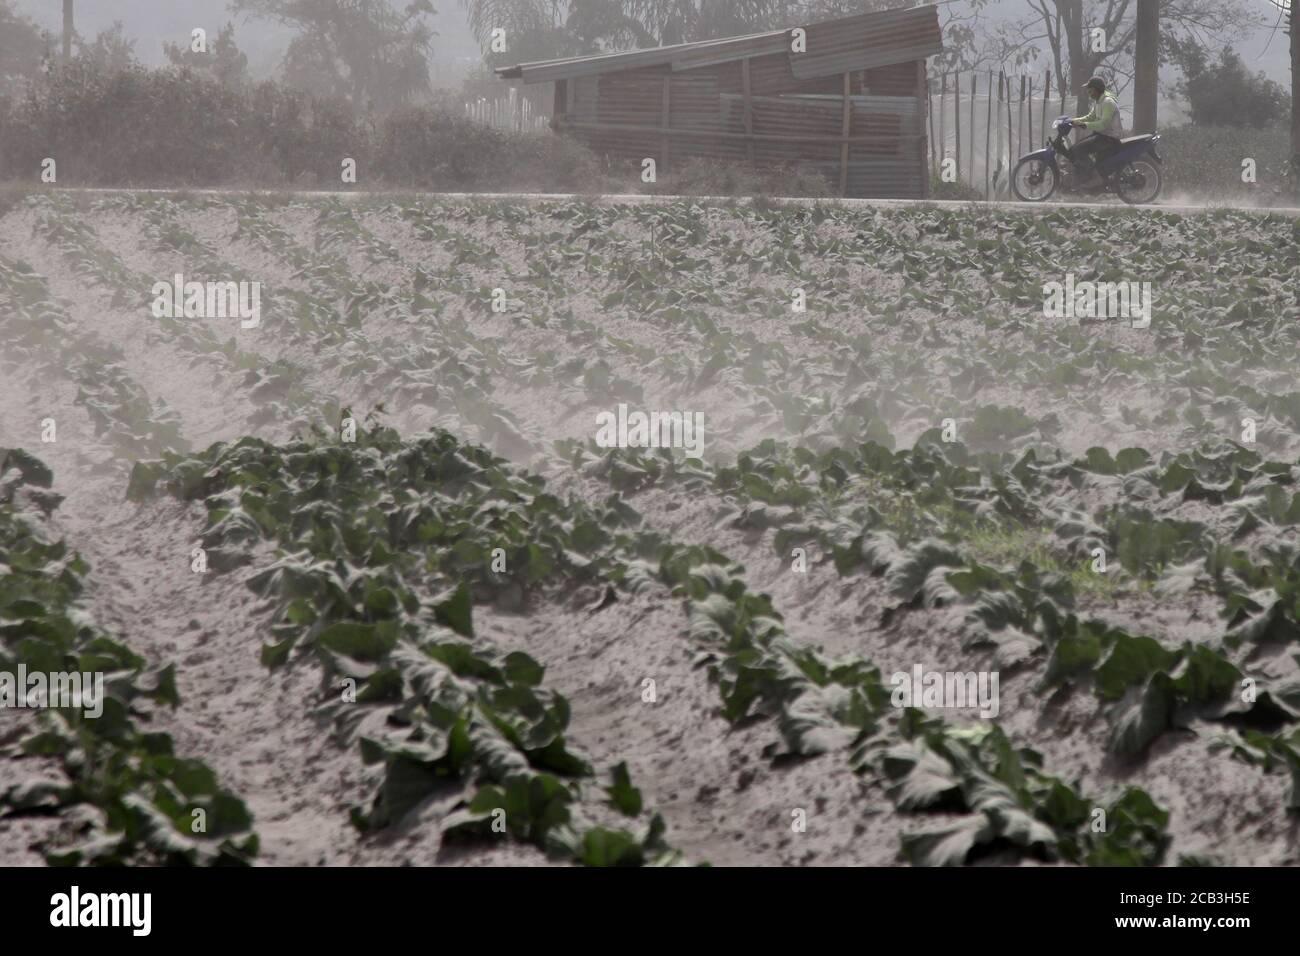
(1131, 661)
(948, 845)
(456, 611)
(1145, 712)
(362, 642)
(622, 795)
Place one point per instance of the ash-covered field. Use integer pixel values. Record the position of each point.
(367, 585)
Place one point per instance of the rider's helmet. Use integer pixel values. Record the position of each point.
(1096, 83)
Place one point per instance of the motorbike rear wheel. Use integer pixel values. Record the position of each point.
(1138, 182)
(1034, 180)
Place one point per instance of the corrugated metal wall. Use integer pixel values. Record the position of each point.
(846, 97)
(884, 108)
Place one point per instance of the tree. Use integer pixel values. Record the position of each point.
(223, 62)
(111, 51)
(1087, 37)
(544, 29)
(1290, 10)
(1146, 67)
(1223, 93)
(23, 45)
(364, 51)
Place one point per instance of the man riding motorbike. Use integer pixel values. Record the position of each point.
(1104, 124)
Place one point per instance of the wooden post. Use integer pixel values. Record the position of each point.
(956, 118)
(929, 115)
(664, 123)
(1029, 114)
(844, 131)
(561, 104)
(1011, 139)
(997, 123)
(988, 143)
(749, 108)
(942, 151)
(922, 102)
(970, 174)
(1047, 96)
(1019, 120)
(1060, 81)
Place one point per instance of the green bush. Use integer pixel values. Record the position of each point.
(176, 127)
(1223, 93)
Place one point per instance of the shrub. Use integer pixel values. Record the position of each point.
(178, 127)
(432, 149)
(1206, 162)
(1224, 93)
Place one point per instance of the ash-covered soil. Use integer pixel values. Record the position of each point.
(908, 322)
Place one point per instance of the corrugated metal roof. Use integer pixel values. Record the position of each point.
(833, 46)
(862, 43)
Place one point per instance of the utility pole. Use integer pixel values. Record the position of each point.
(67, 30)
(1147, 73)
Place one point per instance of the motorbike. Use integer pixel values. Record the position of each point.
(1131, 170)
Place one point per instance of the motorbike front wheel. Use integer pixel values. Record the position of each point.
(1034, 180)
(1138, 182)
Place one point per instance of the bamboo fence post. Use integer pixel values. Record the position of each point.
(846, 116)
(1002, 83)
(749, 109)
(929, 113)
(956, 119)
(943, 120)
(971, 173)
(1011, 138)
(1047, 95)
(988, 143)
(663, 150)
(1029, 114)
(1020, 118)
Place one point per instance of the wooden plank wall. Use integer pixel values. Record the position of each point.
(622, 115)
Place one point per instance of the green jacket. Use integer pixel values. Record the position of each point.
(1104, 117)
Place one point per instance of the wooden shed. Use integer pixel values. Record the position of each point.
(846, 98)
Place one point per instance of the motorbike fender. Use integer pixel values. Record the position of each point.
(1049, 155)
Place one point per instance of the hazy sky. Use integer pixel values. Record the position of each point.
(153, 21)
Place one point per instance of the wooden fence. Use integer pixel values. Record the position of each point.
(985, 121)
(522, 113)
